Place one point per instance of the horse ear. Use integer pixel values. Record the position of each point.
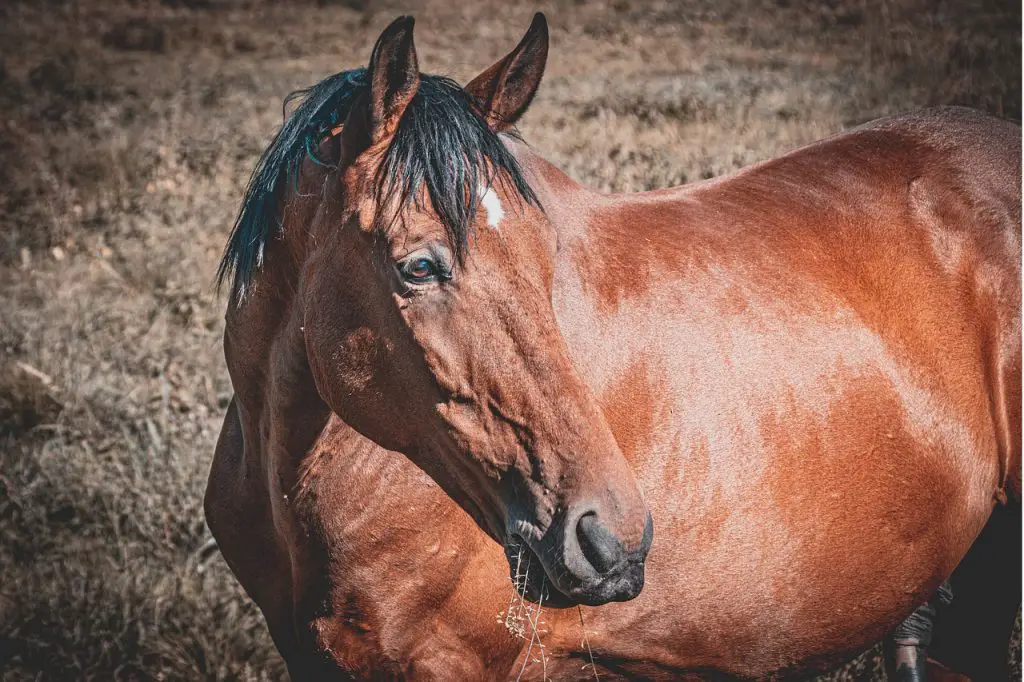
(504, 91)
(394, 78)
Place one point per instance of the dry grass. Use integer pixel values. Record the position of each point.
(128, 130)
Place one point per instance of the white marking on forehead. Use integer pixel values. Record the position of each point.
(492, 204)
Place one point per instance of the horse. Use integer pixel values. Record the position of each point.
(453, 365)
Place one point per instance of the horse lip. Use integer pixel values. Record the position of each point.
(617, 588)
(532, 585)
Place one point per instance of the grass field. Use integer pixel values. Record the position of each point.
(127, 132)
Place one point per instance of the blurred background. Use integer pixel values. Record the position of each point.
(127, 132)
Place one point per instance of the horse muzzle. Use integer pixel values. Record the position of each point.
(578, 561)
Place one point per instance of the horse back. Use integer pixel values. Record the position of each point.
(914, 221)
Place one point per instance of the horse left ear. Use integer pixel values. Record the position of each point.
(504, 91)
(394, 78)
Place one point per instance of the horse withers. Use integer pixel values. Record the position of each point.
(810, 368)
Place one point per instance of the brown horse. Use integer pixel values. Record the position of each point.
(810, 368)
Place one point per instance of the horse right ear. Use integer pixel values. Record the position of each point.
(394, 78)
(504, 91)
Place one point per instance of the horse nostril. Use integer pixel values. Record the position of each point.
(599, 546)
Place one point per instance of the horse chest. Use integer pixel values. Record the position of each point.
(399, 581)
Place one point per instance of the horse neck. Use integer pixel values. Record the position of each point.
(604, 241)
(567, 204)
(279, 405)
(575, 210)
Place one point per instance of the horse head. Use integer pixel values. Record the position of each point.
(429, 328)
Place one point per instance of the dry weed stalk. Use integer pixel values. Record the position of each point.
(514, 615)
(586, 642)
(520, 614)
(534, 620)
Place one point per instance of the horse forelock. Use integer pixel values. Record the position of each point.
(442, 151)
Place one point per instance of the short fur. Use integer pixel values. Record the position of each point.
(811, 368)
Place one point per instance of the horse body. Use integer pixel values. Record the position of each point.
(812, 368)
(815, 436)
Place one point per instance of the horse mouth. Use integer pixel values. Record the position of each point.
(529, 577)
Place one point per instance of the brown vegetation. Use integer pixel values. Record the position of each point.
(127, 132)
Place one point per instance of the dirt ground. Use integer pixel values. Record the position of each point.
(127, 132)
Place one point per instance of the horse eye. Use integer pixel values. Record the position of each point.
(419, 270)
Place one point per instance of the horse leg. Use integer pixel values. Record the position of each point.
(906, 647)
(973, 635)
(238, 516)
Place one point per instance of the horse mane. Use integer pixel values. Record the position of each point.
(442, 143)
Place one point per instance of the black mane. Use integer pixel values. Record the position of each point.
(441, 144)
